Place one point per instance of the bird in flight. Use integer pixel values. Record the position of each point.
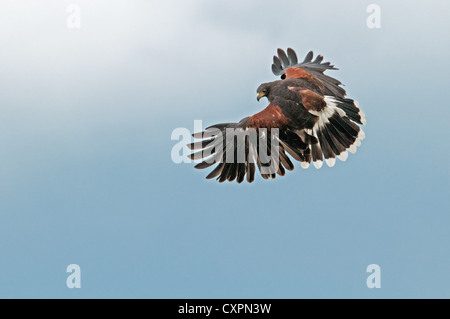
(308, 117)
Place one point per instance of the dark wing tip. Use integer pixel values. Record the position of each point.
(277, 69)
(283, 57)
(292, 56)
(308, 57)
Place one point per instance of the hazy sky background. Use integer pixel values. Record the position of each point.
(86, 175)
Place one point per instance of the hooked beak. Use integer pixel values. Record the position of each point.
(260, 95)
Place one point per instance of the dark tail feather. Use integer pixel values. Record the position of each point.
(350, 107)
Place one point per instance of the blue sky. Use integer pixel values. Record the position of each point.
(86, 176)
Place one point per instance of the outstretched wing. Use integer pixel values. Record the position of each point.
(262, 140)
(287, 66)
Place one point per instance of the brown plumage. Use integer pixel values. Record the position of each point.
(310, 100)
(308, 117)
(270, 117)
(297, 73)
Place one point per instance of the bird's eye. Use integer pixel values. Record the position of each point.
(283, 76)
(264, 91)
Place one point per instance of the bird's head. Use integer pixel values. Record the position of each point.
(263, 91)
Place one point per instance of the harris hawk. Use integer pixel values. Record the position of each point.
(308, 117)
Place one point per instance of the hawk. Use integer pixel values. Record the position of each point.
(308, 117)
